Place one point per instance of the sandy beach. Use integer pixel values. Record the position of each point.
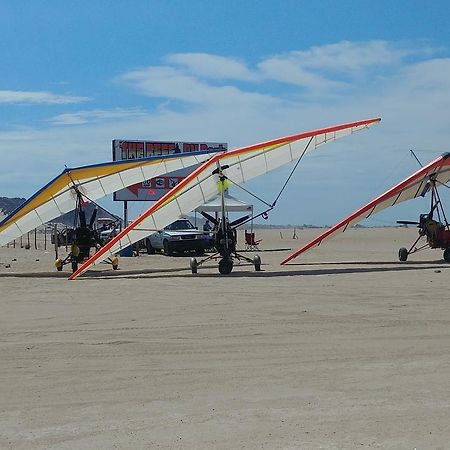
(344, 348)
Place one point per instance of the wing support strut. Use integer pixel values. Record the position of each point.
(264, 214)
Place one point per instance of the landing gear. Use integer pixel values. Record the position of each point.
(194, 265)
(257, 262)
(74, 266)
(403, 254)
(225, 266)
(115, 262)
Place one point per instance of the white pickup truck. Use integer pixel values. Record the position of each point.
(180, 236)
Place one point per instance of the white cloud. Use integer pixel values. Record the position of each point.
(171, 83)
(96, 115)
(38, 97)
(335, 66)
(404, 85)
(352, 56)
(289, 70)
(205, 65)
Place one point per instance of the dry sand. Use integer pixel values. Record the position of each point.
(348, 348)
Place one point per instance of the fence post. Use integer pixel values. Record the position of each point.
(55, 237)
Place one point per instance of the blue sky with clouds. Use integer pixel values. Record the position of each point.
(76, 75)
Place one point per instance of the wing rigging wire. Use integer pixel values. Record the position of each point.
(292, 171)
(80, 195)
(272, 205)
(415, 157)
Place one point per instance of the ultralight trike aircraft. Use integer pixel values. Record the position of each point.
(75, 186)
(82, 238)
(435, 232)
(206, 182)
(225, 236)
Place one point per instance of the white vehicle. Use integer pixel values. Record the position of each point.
(108, 234)
(180, 236)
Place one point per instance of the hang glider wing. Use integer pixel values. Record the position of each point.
(93, 182)
(416, 185)
(239, 166)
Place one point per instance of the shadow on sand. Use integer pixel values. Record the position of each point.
(246, 270)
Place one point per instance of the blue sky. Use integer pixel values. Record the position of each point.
(76, 75)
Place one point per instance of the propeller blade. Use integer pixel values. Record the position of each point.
(407, 222)
(82, 217)
(209, 217)
(93, 217)
(425, 189)
(237, 222)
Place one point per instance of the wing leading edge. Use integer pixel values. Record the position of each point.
(412, 187)
(239, 166)
(94, 181)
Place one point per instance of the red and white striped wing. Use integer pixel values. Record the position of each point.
(410, 188)
(239, 166)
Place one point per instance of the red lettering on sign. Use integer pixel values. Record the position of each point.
(190, 147)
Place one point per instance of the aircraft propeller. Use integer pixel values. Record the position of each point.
(93, 217)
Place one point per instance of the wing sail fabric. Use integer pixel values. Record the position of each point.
(95, 181)
(239, 166)
(410, 188)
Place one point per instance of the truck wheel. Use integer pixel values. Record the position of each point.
(166, 248)
(149, 247)
(447, 254)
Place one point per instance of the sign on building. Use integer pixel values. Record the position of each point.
(154, 189)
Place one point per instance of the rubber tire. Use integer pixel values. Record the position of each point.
(194, 265)
(115, 263)
(257, 262)
(447, 254)
(225, 266)
(74, 266)
(75, 250)
(149, 247)
(166, 248)
(59, 265)
(403, 254)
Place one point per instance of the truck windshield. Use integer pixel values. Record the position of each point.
(180, 225)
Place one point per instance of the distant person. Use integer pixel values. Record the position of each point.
(207, 226)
